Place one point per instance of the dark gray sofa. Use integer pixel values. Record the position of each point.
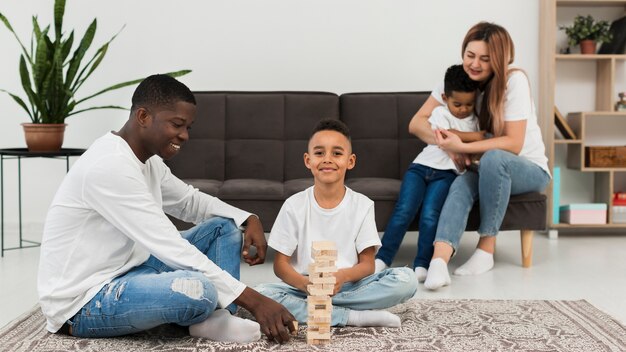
(246, 148)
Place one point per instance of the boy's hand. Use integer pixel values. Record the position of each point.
(253, 235)
(341, 279)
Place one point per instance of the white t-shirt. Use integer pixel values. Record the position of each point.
(351, 225)
(441, 117)
(108, 217)
(518, 105)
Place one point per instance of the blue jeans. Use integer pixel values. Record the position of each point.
(421, 186)
(500, 175)
(152, 293)
(377, 291)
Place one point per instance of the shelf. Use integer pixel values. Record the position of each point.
(588, 226)
(590, 56)
(590, 3)
(568, 141)
(602, 169)
(603, 125)
(602, 113)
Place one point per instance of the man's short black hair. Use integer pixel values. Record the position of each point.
(331, 125)
(161, 91)
(456, 79)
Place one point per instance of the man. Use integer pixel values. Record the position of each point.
(111, 261)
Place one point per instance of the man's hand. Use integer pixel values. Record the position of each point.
(253, 235)
(275, 320)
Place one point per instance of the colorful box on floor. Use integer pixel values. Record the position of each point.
(588, 213)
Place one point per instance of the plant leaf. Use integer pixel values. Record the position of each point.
(20, 102)
(59, 10)
(67, 46)
(79, 53)
(99, 107)
(98, 57)
(8, 25)
(26, 85)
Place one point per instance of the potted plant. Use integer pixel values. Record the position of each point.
(587, 32)
(51, 75)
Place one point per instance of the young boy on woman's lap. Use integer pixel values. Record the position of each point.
(429, 177)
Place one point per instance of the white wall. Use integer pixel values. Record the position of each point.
(337, 46)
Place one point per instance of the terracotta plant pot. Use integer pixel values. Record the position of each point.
(588, 46)
(44, 137)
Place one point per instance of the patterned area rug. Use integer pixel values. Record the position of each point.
(427, 325)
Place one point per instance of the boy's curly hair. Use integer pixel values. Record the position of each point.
(456, 79)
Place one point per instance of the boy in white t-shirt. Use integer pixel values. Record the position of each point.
(428, 178)
(329, 211)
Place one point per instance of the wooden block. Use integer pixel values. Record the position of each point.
(329, 259)
(319, 291)
(317, 335)
(319, 299)
(332, 254)
(318, 317)
(324, 328)
(294, 324)
(323, 280)
(321, 268)
(328, 287)
(323, 245)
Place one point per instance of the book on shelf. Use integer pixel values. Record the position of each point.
(562, 125)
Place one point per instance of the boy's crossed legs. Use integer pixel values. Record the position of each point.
(357, 303)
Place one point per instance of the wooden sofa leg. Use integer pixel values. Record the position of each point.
(527, 248)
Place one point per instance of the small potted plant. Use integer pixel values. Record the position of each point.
(51, 75)
(587, 32)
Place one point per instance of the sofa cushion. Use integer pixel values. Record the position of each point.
(254, 159)
(376, 188)
(211, 187)
(252, 189)
(298, 185)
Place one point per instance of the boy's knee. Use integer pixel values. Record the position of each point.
(407, 283)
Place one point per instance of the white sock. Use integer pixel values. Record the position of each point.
(438, 275)
(379, 266)
(421, 273)
(221, 326)
(373, 318)
(480, 262)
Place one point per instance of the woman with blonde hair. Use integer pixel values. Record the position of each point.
(513, 157)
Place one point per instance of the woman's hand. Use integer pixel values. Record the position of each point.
(449, 141)
(461, 161)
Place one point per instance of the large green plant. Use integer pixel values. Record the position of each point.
(585, 27)
(51, 77)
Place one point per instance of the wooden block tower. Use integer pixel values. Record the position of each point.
(321, 276)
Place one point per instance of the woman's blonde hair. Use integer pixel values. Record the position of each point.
(501, 55)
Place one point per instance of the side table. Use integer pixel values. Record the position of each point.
(19, 154)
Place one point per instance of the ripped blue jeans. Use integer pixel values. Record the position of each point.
(152, 294)
(377, 291)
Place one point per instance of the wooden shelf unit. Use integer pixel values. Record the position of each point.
(605, 98)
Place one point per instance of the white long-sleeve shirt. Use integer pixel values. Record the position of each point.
(108, 217)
